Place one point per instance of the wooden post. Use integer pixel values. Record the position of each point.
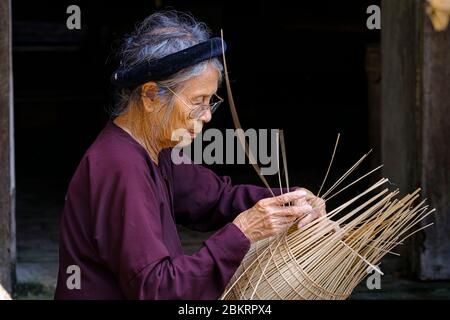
(435, 157)
(415, 125)
(7, 179)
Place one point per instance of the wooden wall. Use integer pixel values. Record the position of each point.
(415, 125)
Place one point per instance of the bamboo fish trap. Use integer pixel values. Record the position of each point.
(327, 258)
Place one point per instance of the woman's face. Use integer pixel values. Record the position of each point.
(196, 93)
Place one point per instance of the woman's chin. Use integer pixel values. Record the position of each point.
(186, 141)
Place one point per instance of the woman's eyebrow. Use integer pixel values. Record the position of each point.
(201, 95)
(204, 93)
(197, 97)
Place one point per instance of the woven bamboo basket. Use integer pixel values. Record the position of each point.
(321, 262)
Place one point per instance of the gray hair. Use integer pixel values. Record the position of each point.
(159, 35)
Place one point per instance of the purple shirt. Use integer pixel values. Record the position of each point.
(119, 225)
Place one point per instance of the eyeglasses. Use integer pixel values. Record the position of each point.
(198, 110)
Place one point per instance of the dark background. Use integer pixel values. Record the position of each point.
(311, 68)
(297, 66)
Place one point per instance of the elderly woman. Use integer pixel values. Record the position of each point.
(118, 228)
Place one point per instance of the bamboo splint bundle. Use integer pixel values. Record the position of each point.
(326, 259)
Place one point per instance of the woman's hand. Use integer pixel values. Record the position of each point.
(318, 210)
(268, 216)
(317, 204)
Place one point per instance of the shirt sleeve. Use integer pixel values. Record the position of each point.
(128, 237)
(204, 201)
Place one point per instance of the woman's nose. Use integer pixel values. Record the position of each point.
(206, 116)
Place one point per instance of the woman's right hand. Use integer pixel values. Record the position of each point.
(268, 216)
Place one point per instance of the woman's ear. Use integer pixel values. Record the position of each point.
(149, 92)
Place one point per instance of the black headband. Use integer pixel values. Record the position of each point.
(162, 68)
